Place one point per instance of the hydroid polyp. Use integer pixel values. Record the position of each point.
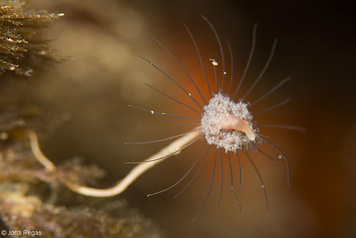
(225, 122)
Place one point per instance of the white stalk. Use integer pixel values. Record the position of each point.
(175, 146)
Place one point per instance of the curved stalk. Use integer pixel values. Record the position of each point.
(172, 149)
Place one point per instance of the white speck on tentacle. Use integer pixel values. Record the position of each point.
(214, 62)
(227, 124)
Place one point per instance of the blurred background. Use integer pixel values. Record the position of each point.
(86, 98)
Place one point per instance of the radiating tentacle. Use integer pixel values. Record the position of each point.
(272, 90)
(221, 51)
(181, 66)
(164, 114)
(210, 189)
(264, 68)
(290, 127)
(196, 173)
(282, 155)
(215, 64)
(260, 177)
(183, 177)
(160, 140)
(249, 60)
(174, 81)
(232, 183)
(222, 176)
(232, 66)
(180, 102)
(285, 101)
(185, 124)
(238, 159)
(200, 58)
(269, 157)
(165, 156)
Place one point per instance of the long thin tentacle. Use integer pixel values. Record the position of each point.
(264, 68)
(269, 157)
(174, 81)
(215, 64)
(232, 66)
(282, 155)
(222, 176)
(240, 170)
(285, 101)
(195, 175)
(221, 50)
(156, 141)
(272, 90)
(165, 156)
(290, 127)
(185, 124)
(260, 177)
(232, 183)
(180, 102)
(164, 114)
(210, 189)
(249, 60)
(181, 66)
(183, 177)
(200, 58)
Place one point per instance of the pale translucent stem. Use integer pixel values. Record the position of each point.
(38, 153)
(164, 153)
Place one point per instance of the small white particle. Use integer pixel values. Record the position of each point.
(152, 112)
(214, 62)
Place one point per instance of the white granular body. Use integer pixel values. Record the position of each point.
(219, 108)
